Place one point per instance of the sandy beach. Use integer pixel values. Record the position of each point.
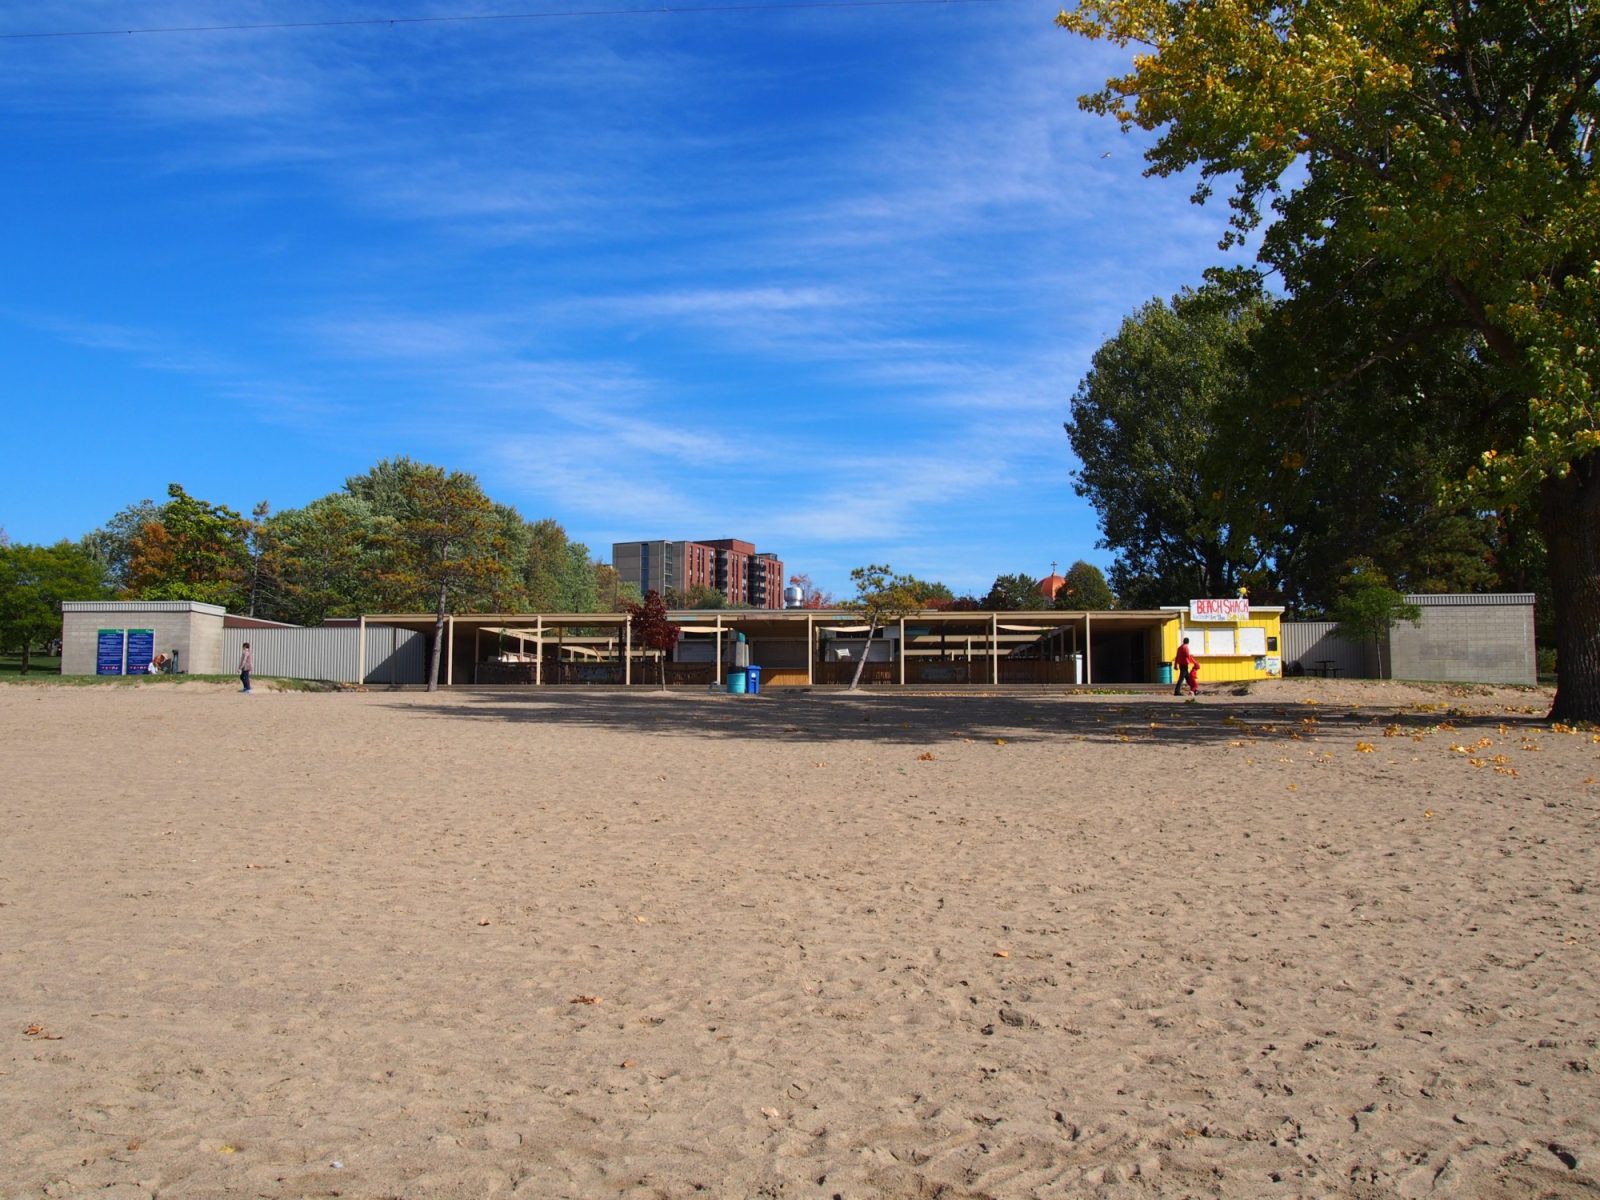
(1323, 939)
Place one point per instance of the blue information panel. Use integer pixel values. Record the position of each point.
(108, 652)
(141, 649)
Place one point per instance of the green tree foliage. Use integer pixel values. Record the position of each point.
(698, 596)
(1085, 589)
(194, 550)
(1358, 467)
(325, 559)
(1440, 159)
(1153, 455)
(34, 580)
(446, 537)
(1367, 608)
(652, 630)
(881, 596)
(1014, 593)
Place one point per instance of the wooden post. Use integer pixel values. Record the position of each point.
(994, 647)
(361, 649)
(1088, 654)
(902, 652)
(811, 651)
(538, 650)
(716, 669)
(627, 653)
(450, 652)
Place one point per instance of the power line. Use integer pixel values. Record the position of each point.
(656, 10)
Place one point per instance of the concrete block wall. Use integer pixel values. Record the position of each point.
(1467, 638)
(193, 629)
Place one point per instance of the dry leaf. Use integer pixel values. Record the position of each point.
(40, 1032)
(1364, 747)
(1002, 954)
(584, 1000)
(928, 757)
(999, 741)
(626, 1064)
(770, 1112)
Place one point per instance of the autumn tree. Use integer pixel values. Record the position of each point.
(811, 596)
(192, 550)
(1444, 152)
(112, 545)
(652, 630)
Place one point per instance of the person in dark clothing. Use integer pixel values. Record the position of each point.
(246, 662)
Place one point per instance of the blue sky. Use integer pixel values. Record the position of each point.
(822, 279)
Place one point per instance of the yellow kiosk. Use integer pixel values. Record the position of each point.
(1233, 640)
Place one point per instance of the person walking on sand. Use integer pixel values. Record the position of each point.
(1184, 660)
(246, 663)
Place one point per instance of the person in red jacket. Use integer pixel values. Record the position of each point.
(1185, 662)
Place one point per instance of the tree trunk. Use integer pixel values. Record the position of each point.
(438, 641)
(855, 680)
(24, 655)
(1569, 518)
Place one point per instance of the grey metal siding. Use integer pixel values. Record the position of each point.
(393, 655)
(1308, 642)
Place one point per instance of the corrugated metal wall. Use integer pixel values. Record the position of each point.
(1309, 642)
(393, 655)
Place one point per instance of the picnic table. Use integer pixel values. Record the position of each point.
(1326, 667)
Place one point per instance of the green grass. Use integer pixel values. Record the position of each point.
(47, 672)
(38, 664)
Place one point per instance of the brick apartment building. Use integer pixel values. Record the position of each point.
(732, 567)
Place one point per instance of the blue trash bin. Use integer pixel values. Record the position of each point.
(736, 681)
(1165, 674)
(752, 675)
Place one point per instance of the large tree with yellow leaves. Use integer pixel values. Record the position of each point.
(1436, 160)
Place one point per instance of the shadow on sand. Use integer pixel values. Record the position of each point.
(900, 719)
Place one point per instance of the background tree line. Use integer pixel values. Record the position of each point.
(402, 537)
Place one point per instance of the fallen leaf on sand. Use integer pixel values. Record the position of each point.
(40, 1032)
(483, 921)
(999, 741)
(770, 1112)
(584, 1000)
(928, 757)
(626, 1063)
(1364, 747)
(1002, 954)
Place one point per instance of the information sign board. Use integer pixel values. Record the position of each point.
(141, 649)
(108, 652)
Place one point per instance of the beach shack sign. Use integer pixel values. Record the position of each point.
(1233, 609)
